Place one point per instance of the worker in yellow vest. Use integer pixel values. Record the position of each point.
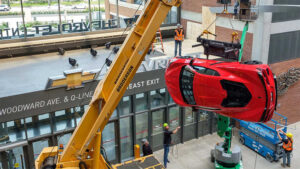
(287, 146)
(179, 37)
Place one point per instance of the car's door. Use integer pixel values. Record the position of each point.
(207, 88)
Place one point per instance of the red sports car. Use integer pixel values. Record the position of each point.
(246, 91)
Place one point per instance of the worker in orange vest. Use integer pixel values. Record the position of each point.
(179, 37)
(287, 146)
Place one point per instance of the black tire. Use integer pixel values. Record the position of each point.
(269, 158)
(212, 157)
(252, 62)
(242, 140)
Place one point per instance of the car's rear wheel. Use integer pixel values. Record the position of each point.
(252, 62)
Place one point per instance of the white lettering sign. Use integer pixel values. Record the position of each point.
(45, 103)
(144, 83)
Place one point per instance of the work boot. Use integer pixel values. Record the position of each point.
(283, 166)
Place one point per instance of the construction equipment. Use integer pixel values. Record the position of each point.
(263, 138)
(222, 155)
(158, 43)
(83, 149)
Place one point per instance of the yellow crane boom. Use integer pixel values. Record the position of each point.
(83, 149)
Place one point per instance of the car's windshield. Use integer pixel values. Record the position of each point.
(206, 71)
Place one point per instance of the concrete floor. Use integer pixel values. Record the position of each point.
(195, 154)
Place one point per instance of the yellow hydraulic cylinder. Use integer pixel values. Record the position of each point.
(98, 162)
(136, 151)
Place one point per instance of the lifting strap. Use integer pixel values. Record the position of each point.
(243, 38)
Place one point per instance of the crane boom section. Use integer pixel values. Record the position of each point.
(111, 89)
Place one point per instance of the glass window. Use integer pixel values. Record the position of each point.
(141, 102)
(189, 124)
(38, 147)
(126, 138)
(203, 115)
(170, 101)
(78, 112)
(98, 14)
(186, 85)
(157, 97)
(12, 157)
(157, 128)
(75, 16)
(204, 123)
(189, 116)
(141, 124)
(124, 107)
(108, 19)
(38, 125)
(109, 142)
(12, 131)
(173, 117)
(41, 18)
(114, 115)
(206, 71)
(63, 120)
(172, 16)
(11, 23)
(64, 139)
(174, 122)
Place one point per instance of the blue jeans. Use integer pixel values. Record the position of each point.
(166, 153)
(286, 157)
(176, 45)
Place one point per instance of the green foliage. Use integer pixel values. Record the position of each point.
(4, 25)
(31, 24)
(9, 13)
(52, 12)
(31, 3)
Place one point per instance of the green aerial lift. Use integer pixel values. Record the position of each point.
(222, 155)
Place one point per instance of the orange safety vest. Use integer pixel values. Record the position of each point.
(179, 36)
(288, 146)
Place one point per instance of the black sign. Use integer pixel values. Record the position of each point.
(40, 102)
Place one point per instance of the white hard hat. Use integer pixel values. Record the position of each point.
(144, 140)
